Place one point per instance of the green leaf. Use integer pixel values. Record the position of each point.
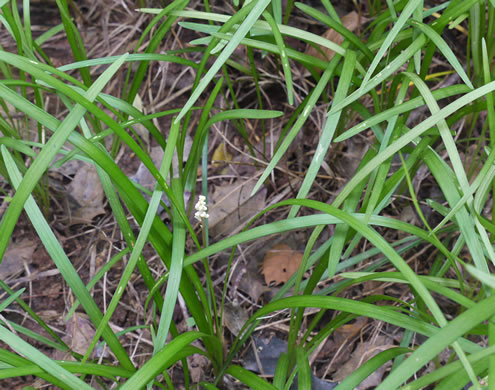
(50, 366)
(241, 32)
(248, 378)
(445, 49)
(434, 345)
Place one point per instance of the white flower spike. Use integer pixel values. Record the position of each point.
(201, 209)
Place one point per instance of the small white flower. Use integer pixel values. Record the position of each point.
(201, 208)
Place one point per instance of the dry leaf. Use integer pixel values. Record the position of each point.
(350, 21)
(79, 334)
(142, 175)
(361, 355)
(252, 284)
(198, 366)
(230, 206)
(265, 359)
(348, 331)
(148, 181)
(17, 254)
(280, 263)
(234, 317)
(220, 155)
(139, 128)
(87, 191)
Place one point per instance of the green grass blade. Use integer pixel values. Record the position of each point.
(401, 108)
(46, 155)
(378, 241)
(135, 255)
(301, 223)
(445, 50)
(372, 365)
(75, 40)
(251, 380)
(172, 352)
(387, 43)
(450, 145)
(178, 248)
(328, 130)
(442, 286)
(448, 370)
(63, 263)
(411, 136)
(48, 34)
(307, 60)
(315, 95)
(156, 38)
(303, 370)
(391, 68)
(283, 55)
(281, 371)
(434, 345)
(137, 57)
(60, 343)
(337, 26)
(23, 193)
(382, 313)
(101, 272)
(11, 299)
(51, 367)
(27, 23)
(264, 26)
(243, 113)
(35, 336)
(243, 29)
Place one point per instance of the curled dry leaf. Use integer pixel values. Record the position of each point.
(280, 263)
(347, 331)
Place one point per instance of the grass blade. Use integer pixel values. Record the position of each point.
(241, 32)
(51, 367)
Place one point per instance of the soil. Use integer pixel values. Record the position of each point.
(113, 26)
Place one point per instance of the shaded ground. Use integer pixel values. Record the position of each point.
(111, 28)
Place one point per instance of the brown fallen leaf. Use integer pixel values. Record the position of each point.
(79, 334)
(362, 353)
(351, 21)
(280, 263)
(348, 331)
(234, 317)
(252, 284)
(198, 366)
(231, 206)
(87, 191)
(17, 254)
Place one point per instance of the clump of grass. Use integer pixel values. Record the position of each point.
(379, 76)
